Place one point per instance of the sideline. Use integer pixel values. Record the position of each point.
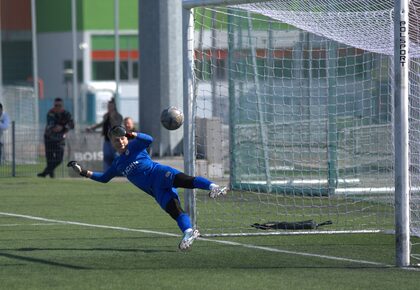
(249, 246)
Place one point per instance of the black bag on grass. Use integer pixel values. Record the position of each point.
(302, 225)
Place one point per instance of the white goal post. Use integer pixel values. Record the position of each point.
(307, 110)
(401, 131)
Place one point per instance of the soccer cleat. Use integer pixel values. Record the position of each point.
(42, 174)
(217, 190)
(188, 238)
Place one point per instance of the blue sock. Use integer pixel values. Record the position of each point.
(202, 183)
(184, 222)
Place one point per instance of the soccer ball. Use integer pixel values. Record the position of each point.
(172, 118)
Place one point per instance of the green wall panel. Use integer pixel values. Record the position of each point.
(129, 14)
(99, 14)
(55, 15)
(106, 42)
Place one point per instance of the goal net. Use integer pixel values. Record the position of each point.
(22, 107)
(293, 111)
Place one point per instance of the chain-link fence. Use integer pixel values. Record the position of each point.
(23, 147)
(24, 152)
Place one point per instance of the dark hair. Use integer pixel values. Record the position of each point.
(1, 106)
(58, 100)
(112, 101)
(118, 131)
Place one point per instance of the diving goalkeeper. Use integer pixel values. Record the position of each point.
(159, 181)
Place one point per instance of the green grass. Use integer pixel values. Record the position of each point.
(238, 210)
(30, 170)
(43, 255)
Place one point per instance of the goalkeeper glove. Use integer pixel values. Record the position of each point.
(77, 168)
(130, 135)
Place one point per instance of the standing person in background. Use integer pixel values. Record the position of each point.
(59, 122)
(110, 119)
(129, 125)
(4, 125)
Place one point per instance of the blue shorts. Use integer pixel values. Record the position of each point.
(162, 185)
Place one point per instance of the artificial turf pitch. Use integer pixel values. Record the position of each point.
(79, 234)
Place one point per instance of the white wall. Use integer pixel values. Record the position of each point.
(53, 50)
(56, 48)
(128, 104)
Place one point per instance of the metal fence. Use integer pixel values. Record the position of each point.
(24, 152)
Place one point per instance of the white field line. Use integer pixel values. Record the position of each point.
(249, 246)
(34, 224)
(86, 225)
(296, 253)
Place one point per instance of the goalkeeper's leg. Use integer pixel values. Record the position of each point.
(173, 208)
(185, 181)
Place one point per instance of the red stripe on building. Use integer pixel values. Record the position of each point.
(109, 55)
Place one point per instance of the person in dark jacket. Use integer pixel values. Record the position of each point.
(59, 122)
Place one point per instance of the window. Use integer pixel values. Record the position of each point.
(105, 71)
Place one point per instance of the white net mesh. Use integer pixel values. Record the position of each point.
(279, 126)
(365, 24)
(21, 105)
(294, 113)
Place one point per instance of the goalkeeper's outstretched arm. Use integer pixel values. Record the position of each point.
(103, 177)
(79, 169)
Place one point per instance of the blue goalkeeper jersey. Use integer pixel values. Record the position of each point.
(137, 166)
